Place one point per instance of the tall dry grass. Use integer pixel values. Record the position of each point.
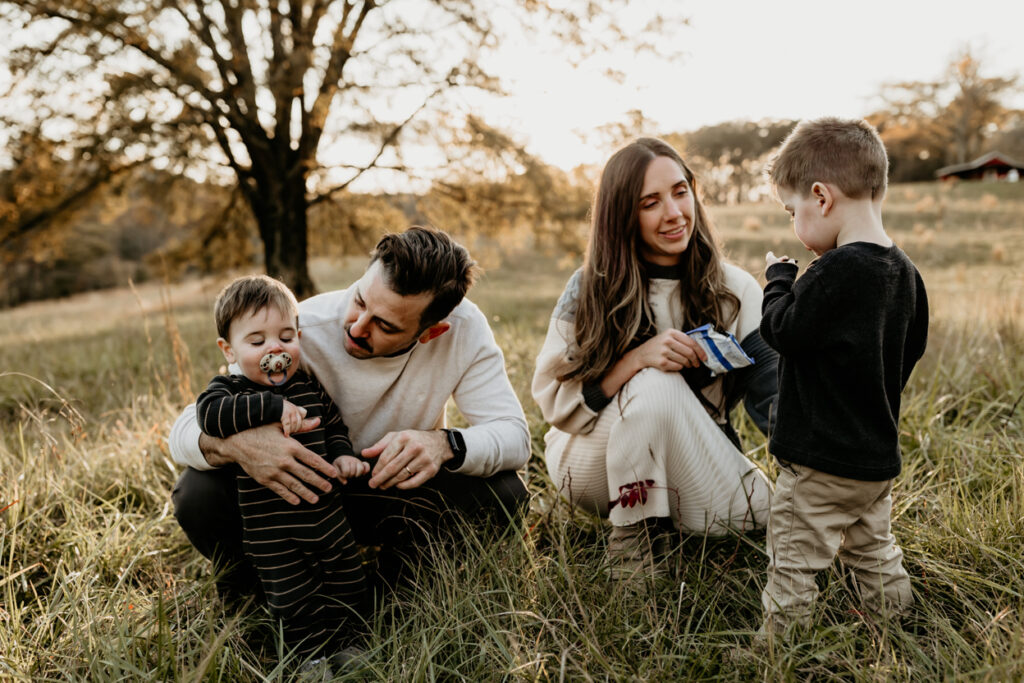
(98, 583)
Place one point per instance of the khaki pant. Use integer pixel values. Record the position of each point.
(655, 452)
(814, 517)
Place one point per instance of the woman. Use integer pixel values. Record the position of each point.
(640, 430)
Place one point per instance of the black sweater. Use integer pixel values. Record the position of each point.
(848, 333)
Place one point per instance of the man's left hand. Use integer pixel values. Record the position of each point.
(407, 459)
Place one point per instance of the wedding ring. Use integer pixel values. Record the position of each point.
(411, 473)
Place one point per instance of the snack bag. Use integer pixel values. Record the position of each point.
(724, 352)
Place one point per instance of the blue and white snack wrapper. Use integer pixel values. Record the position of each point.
(724, 352)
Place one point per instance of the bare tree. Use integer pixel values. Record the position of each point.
(295, 99)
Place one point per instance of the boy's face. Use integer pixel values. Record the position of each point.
(254, 335)
(811, 222)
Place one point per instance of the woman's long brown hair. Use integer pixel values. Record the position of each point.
(613, 307)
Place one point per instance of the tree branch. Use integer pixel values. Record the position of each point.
(385, 143)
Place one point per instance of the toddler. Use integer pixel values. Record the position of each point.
(848, 333)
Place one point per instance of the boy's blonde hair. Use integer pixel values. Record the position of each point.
(847, 153)
(249, 294)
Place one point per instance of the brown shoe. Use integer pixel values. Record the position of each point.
(637, 551)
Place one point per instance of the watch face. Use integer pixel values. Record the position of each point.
(455, 440)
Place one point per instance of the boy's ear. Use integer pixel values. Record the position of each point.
(225, 348)
(434, 331)
(824, 196)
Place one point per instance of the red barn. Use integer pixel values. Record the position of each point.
(991, 166)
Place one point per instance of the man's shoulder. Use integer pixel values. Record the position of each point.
(467, 319)
(322, 308)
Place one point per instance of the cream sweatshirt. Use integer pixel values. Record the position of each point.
(408, 391)
(562, 403)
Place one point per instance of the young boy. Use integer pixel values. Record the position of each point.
(848, 333)
(304, 554)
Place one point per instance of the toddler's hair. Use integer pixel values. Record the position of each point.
(845, 152)
(249, 294)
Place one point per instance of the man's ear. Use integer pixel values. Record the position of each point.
(434, 331)
(225, 347)
(824, 196)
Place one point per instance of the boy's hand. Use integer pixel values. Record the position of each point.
(291, 417)
(350, 467)
(771, 259)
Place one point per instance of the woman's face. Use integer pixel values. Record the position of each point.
(666, 212)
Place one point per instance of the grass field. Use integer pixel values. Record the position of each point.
(98, 583)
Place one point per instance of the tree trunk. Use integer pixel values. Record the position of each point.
(280, 211)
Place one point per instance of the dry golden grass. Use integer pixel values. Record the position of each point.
(97, 581)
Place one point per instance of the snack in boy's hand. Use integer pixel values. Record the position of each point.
(724, 352)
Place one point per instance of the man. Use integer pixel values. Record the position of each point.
(390, 350)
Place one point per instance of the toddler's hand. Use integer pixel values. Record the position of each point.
(291, 417)
(349, 467)
(771, 259)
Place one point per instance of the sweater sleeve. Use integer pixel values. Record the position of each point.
(498, 437)
(566, 405)
(183, 441)
(222, 411)
(793, 310)
(917, 336)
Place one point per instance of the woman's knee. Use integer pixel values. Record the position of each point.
(660, 396)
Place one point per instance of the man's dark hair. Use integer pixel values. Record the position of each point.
(423, 260)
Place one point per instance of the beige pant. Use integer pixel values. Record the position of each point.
(816, 516)
(655, 452)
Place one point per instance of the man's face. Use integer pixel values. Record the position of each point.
(380, 322)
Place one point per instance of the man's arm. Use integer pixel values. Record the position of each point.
(497, 438)
(274, 460)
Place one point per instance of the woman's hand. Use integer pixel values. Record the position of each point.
(670, 351)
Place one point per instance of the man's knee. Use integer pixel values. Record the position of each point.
(510, 494)
(206, 507)
(198, 496)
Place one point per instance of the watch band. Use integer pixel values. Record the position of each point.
(458, 446)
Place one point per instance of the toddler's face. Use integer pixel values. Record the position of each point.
(254, 335)
(812, 229)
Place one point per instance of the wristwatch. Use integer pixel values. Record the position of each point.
(458, 446)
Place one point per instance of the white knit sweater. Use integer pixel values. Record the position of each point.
(408, 391)
(562, 403)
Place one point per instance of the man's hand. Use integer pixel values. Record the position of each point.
(407, 459)
(274, 460)
(291, 418)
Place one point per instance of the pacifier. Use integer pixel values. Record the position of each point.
(274, 363)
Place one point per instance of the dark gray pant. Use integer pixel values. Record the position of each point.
(399, 522)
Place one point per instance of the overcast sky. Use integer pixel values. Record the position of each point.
(751, 60)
